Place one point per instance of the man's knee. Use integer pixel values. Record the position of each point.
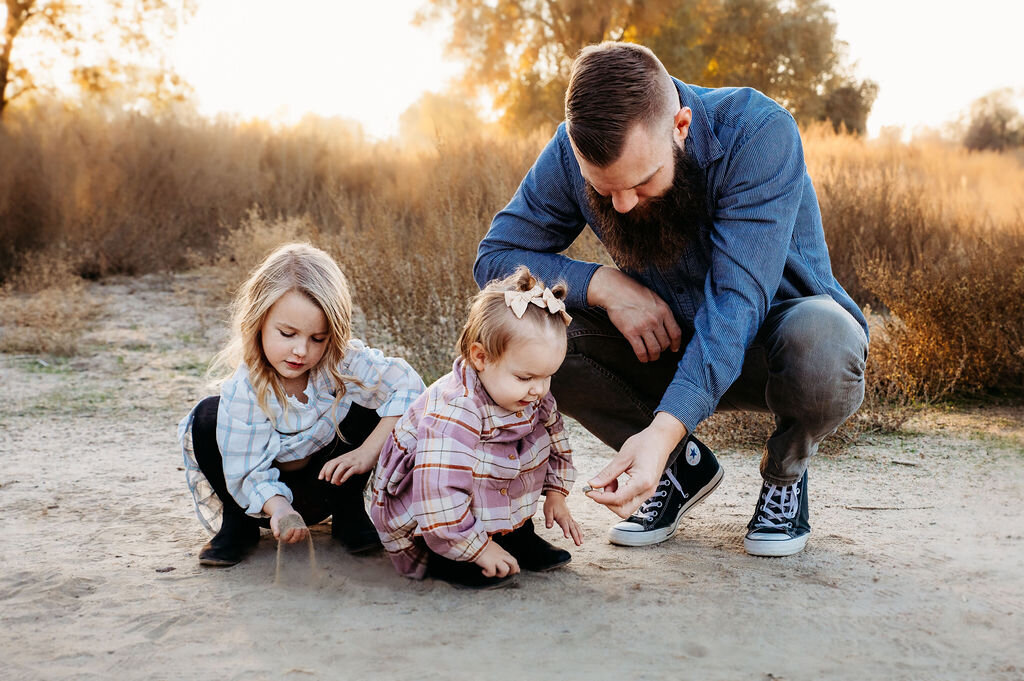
(818, 356)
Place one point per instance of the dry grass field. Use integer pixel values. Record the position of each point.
(927, 235)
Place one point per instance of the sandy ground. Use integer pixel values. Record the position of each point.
(915, 568)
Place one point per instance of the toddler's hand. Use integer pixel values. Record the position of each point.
(557, 511)
(341, 468)
(496, 561)
(288, 526)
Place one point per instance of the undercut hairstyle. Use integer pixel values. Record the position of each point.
(612, 87)
(492, 323)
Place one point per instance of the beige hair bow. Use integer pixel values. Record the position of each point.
(541, 297)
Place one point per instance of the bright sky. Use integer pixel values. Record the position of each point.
(932, 59)
(357, 59)
(363, 60)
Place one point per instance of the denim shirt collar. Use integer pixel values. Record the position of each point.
(702, 141)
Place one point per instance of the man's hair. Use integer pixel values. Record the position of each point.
(612, 87)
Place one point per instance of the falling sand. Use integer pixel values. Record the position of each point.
(286, 576)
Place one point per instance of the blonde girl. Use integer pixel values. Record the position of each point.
(300, 418)
(458, 481)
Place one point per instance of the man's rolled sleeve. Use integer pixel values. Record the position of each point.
(750, 236)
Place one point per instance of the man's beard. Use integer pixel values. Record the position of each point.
(658, 231)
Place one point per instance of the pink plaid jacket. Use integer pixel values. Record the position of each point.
(458, 468)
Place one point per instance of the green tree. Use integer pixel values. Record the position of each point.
(110, 47)
(520, 51)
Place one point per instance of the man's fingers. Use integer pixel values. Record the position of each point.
(662, 335)
(625, 500)
(637, 342)
(653, 346)
(675, 334)
(610, 473)
(549, 517)
(489, 570)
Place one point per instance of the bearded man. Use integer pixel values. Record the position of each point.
(723, 296)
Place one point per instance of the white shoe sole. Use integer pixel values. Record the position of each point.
(641, 538)
(775, 547)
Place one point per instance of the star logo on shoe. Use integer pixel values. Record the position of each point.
(692, 453)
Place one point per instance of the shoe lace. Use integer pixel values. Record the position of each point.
(647, 509)
(781, 504)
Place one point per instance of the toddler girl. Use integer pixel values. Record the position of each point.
(299, 423)
(458, 481)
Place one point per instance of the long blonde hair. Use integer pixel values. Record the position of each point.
(292, 267)
(493, 324)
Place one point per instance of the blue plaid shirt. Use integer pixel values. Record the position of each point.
(765, 245)
(250, 441)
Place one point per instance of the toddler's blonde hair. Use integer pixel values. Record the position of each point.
(293, 267)
(492, 323)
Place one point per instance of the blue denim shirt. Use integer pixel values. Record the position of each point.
(765, 244)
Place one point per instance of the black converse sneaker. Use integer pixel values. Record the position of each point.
(693, 476)
(781, 525)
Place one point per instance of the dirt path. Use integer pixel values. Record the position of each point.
(915, 568)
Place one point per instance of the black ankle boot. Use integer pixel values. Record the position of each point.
(464, 574)
(350, 523)
(532, 552)
(237, 536)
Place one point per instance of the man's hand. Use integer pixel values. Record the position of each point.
(557, 511)
(341, 468)
(496, 561)
(643, 458)
(637, 312)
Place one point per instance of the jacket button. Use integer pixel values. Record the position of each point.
(512, 456)
(519, 414)
(504, 492)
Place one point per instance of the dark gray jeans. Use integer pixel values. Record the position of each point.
(805, 366)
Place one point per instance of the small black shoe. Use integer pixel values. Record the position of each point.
(686, 482)
(781, 524)
(465, 574)
(237, 536)
(355, 531)
(531, 551)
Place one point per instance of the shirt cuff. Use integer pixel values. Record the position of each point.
(552, 487)
(687, 403)
(577, 277)
(262, 492)
(466, 548)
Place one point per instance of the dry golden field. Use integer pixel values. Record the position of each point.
(926, 235)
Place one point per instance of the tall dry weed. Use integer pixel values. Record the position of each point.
(130, 194)
(957, 326)
(44, 307)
